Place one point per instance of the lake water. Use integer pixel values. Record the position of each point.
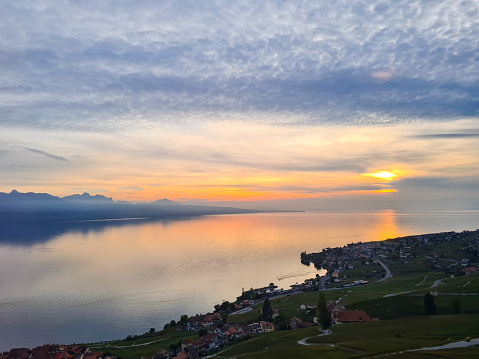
(103, 281)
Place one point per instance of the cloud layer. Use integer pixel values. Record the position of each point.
(135, 64)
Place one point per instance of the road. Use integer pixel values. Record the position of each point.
(444, 259)
(322, 288)
(461, 344)
(386, 268)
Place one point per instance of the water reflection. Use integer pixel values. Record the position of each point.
(96, 281)
(32, 232)
(387, 226)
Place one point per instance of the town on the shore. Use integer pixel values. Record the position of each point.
(219, 328)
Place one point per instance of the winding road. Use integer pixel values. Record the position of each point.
(385, 267)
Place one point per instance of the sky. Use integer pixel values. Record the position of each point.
(277, 104)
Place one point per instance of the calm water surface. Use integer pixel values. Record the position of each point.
(108, 281)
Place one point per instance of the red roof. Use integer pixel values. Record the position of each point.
(181, 355)
(353, 316)
(210, 336)
(208, 318)
(295, 319)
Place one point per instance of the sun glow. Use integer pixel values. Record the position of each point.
(388, 176)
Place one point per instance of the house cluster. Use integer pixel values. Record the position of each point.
(217, 334)
(338, 315)
(204, 321)
(336, 260)
(50, 351)
(404, 248)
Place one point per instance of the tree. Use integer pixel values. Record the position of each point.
(202, 332)
(183, 319)
(267, 310)
(152, 330)
(172, 323)
(456, 305)
(429, 306)
(173, 347)
(322, 312)
(225, 305)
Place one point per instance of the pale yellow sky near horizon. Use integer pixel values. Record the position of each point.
(238, 162)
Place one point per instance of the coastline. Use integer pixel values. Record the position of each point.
(208, 307)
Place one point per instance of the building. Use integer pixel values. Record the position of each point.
(349, 316)
(267, 327)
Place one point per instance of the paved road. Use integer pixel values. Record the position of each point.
(323, 281)
(242, 311)
(386, 268)
(248, 309)
(304, 342)
(444, 259)
(461, 344)
(322, 288)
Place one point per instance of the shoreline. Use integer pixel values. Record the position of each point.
(423, 236)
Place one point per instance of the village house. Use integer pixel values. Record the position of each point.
(255, 328)
(231, 333)
(189, 352)
(236, 331)
(348, 316)
(275, 312)
(470, 270)
(211, 319)
(194, 323)
(267, 327)
(305, 306)
(295, 323)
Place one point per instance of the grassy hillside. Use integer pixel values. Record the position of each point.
(398, 302)
(357, 340)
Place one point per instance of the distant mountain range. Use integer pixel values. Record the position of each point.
(87, 198)
(17, 206)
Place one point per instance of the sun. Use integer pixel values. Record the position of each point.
(388, 176)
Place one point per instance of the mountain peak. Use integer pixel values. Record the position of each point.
(164, 201)
(85, 196)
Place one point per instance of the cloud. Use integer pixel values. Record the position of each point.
(460, 184)
(446, 135)
(122, 65)
(58, 158)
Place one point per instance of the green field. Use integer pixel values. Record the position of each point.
(402, 326)
(136, 348)
(357, 340)
(398, 302)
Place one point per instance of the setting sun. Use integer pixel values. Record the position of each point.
(383, 175)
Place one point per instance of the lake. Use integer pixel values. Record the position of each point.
(103, 281)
